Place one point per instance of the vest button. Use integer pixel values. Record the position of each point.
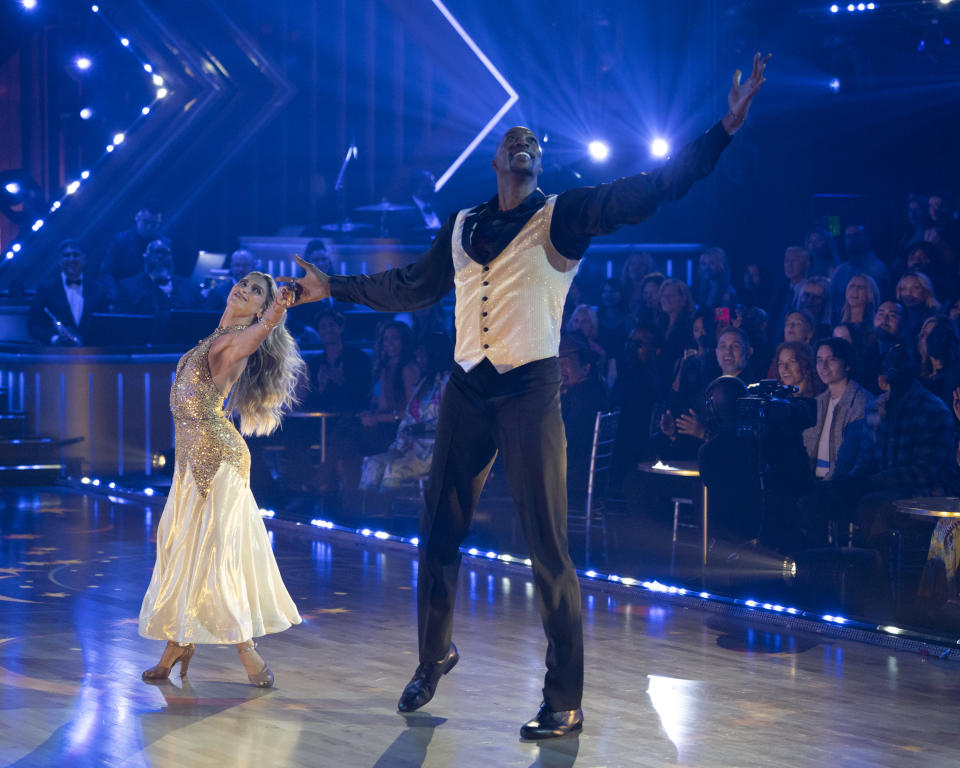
(486, 269)
(484, 298)
(486, 346)
(484, 314)
(485, 282)
(485, 330)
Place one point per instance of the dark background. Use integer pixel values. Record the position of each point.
(266, 96)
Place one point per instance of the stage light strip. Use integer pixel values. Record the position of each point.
(511, 93)
(74, 186)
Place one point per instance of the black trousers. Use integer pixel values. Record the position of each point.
(518, 414)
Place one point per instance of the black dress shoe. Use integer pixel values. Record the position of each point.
(549, 724)
(421, 688)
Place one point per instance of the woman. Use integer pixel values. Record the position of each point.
(636, 268)
(215, 580)
(585, 322)
(796, 367)
(676, 305)
(408, 457)
(647, 310)
(939, 349)
(862, 297)
(396, 374)
(915, 293)
(843, 402)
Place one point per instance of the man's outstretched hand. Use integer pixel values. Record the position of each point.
(741, 94)
(313, 286)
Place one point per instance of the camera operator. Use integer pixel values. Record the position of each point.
(754, 463)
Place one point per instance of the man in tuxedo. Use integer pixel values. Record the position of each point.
(70, 296)
(156, 290)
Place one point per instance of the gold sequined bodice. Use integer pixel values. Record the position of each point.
(204, 437)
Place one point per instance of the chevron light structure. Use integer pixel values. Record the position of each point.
(512, 96)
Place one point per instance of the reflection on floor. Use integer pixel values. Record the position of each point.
(664, 685)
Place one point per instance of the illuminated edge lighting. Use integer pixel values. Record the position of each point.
(511, 94)
(118, 138)
(626, 581)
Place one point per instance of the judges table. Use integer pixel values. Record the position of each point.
(681, 469)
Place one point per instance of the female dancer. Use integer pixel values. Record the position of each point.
(215, 579)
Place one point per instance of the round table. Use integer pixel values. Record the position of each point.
(323, 416)
(929, 506)
(680, 469)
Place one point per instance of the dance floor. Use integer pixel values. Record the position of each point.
(664, 685)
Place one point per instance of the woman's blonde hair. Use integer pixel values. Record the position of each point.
(931, 301)
(266, 387)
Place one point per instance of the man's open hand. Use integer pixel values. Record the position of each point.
(741, 94)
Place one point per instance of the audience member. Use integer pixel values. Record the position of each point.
(796, 268)
(409, 455)
(814, 299)
(823, 252)
(637, 390)
(582, 396)
(124, 256)
(612, 320)
(341, 375)
(866, 365)
(70, 296)
(860, 261)
(796, 367)
(156, 290)
(584, 321)
(636, 267)
(886, 325)
(910, 452)
(676, 306)
(915, 293)
(843, 402)
(715, 289)
(861, 299)
(939, 350)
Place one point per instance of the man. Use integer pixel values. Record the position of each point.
(796, 268)
(156, 290)
(860, 261)
(70, 296)
(886, 325)
(512, 260)
(905, 450)
(582, 395)
(341, 376)
(124, 254)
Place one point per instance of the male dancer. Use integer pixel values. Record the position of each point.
(512, 260)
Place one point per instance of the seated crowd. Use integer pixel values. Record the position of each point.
(873, 346)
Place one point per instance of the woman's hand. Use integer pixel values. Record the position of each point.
(273, 315)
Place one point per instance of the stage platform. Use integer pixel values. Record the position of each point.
(665, 685)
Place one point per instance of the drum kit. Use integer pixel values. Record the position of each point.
(386, 227)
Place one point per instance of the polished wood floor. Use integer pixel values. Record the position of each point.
(665, 686)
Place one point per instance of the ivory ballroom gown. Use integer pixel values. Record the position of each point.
(215, 579)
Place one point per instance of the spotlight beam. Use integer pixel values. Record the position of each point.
(512, 96)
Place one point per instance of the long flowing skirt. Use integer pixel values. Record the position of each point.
(215, 579)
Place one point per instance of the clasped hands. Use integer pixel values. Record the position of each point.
(313, 286)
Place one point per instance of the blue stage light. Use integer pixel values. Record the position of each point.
(598, 150)
(861, 6)
(834, 8)
(590, 574)
(13, 188)
(415, 541)
(16, 247)
(851, 8)
(72, 187)
(83, 63)
(834, 85)
(659, 147)
(124, 42)
(118, 138)
(29, 4)
(161, 93)
(145, 111)
(473, 551)
(37, 225)
(147, 491)
(86, 113)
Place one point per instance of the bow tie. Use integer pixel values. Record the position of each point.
(77, 283)
(162, 281)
